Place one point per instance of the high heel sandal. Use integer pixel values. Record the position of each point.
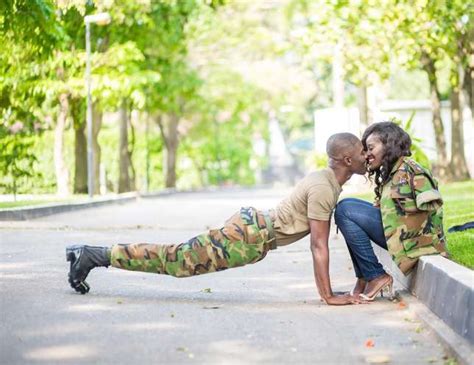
(359, 281)
(386, 286)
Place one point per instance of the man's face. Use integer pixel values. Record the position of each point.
(375, 152)
(359, 159)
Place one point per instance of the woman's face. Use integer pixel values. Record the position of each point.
(375, 152)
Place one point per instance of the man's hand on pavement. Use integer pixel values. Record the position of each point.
(345, 299)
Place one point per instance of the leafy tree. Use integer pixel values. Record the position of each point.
(16, 155)
(28, 34)
(376, 37)
(219, 140)
(457, 23)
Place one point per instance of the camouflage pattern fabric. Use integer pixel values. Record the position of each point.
(412, 214)
(245, 239)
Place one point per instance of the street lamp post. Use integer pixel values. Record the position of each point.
(99, 19)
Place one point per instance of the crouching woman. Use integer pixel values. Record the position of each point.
(406, 218)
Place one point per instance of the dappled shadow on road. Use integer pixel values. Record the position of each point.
(237, 352)
(263, 313)
(217, 301)
(60, 354)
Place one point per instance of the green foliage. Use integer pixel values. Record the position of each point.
(16, 157)
(378, 37)
(219, 141)
(319, 160)
(32, 23)
(22, 203)
(185, 58)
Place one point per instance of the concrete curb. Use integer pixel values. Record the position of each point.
(21, 214)
(455, 345)
(446, 291)
(37, 211)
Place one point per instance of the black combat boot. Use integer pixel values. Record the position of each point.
(83, 259)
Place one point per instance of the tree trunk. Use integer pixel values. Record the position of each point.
(125, 183)
(62, 173)
(458, 162)
(80, 147)
(338, 77)
(365, 107)
(429, 67)
(131, 147)
(469, 86)
(169, 133)
(466, 55)
(147, 157)
(96, 125)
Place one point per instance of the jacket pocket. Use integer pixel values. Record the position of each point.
(419, 246)
(249, 219)
(405, 204)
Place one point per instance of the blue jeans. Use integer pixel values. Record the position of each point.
(360, 222)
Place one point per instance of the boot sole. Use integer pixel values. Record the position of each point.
(81, 286)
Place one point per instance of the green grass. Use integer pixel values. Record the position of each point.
(43, 200)
(22, 203)
(458, 209)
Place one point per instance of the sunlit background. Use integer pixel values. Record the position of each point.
(195, 93)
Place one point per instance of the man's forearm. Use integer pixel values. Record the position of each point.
(320, 252)
(321, 270)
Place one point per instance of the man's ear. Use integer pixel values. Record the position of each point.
(348, 160)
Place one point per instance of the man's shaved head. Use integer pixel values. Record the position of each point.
(340, 145)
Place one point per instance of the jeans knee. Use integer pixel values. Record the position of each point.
(341, 211)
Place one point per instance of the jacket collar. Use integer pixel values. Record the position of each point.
(397, 165)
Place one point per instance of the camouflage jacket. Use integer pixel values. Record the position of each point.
(412, 214)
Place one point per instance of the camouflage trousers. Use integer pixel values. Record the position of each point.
(246, 238)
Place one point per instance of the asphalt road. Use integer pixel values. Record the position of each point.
(267, 313)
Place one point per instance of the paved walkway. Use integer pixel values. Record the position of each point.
(263, 313)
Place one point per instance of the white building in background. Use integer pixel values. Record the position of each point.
(334, 120)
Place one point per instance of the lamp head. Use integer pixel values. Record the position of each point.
(99, 19)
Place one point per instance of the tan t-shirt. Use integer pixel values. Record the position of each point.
(314, 197)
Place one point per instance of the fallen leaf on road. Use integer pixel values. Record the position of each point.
(402, 305)
(119, 302)
(419, 329)
(378, 359)
(369, 343)
(182, 349)
(172, 315)
(207, 290)
(213, 307)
